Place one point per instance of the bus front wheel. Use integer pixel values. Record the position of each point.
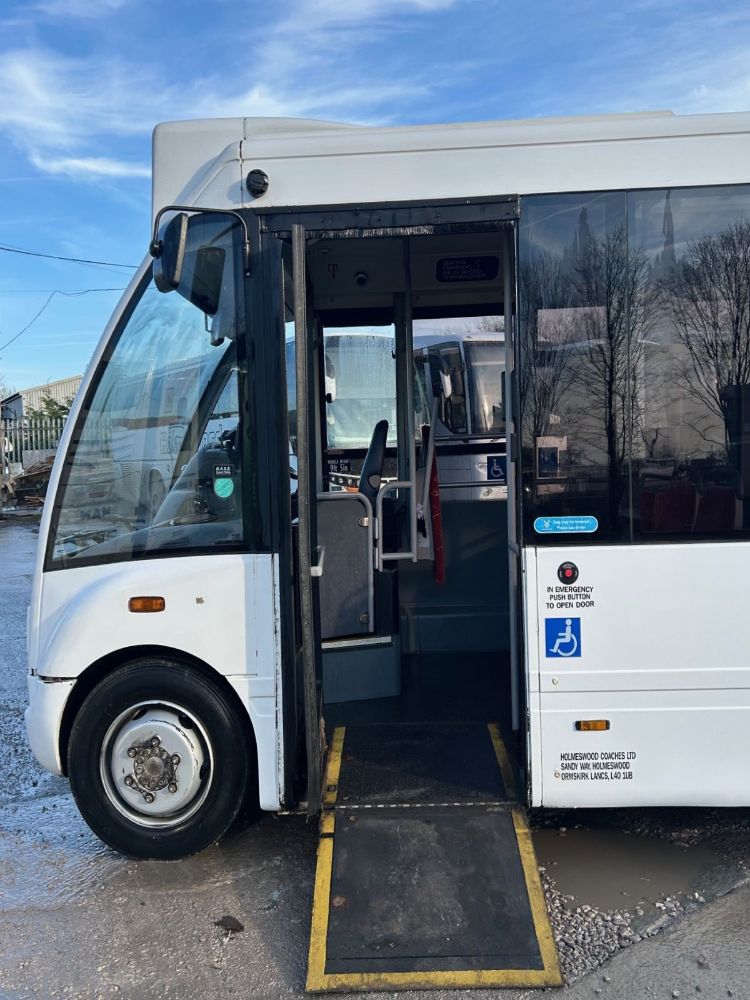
(157, 760)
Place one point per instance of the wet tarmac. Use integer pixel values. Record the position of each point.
(78, 920)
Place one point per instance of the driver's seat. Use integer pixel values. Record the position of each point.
(372, 469)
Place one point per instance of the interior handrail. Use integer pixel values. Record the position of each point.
(382, 557)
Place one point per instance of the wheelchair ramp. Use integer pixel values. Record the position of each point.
(426, 873)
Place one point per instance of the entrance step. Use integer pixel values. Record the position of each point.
(426, 874)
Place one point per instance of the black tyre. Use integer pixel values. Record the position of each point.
(158, 760)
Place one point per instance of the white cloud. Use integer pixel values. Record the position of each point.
(89, 167)
(61, 109)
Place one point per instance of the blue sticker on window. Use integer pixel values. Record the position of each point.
(223, 488)
(497, 469)
(562, 637)
(565, 525)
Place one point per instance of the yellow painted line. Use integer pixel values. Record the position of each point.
(466, 980)
(534, 889)
(503, 759)
(316, 958)
(333, 768)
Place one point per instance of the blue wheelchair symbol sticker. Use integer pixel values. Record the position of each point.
(562, 637)
(497, 469)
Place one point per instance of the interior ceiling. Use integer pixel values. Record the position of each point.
(354, 280)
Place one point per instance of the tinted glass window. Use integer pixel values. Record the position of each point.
(156, 461)
(691, 469)
(635, 363)
(576, 278)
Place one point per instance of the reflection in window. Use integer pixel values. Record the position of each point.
(635, 325)
(156, 463)
(692, 472)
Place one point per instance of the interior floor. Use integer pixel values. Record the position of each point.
(420, 762)
(438, 687)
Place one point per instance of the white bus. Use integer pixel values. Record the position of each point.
(235, 641)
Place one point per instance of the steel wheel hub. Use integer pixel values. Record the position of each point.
(156, 764)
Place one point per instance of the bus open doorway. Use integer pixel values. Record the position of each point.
(407, 339)
(407, 355)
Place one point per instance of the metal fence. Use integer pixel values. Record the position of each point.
(25, 442)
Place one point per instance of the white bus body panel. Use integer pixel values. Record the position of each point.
(662, 658)
(222, 609)
(318, 163)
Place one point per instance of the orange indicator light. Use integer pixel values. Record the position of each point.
(592, 725)
(141, 605)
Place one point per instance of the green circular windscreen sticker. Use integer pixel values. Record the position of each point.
(223, 487)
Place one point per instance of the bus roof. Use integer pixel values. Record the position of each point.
(313, 163)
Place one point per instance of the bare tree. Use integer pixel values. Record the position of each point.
(708, 293)
(544, 373)
(615, 299)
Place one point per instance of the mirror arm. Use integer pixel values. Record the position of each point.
(155, 246)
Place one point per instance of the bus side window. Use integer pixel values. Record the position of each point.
(447, 372)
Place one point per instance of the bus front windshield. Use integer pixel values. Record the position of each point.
(154, 462)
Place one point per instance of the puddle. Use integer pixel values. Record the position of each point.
(49, 858)
(613, 870)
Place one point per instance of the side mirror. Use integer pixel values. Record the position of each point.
(171, 254)
(182, 264)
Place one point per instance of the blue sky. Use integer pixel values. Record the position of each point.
(83, 82)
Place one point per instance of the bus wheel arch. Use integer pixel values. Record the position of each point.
(189, 705)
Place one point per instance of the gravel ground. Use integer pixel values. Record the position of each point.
(588, 936)
(18, 539)
(77, 920)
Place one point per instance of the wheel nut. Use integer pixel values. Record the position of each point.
(132, 752)
(175, 759)
(129, 780)
(155, 741)
(149, 797)
(172, 787)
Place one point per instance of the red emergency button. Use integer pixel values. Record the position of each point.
(567, 572)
